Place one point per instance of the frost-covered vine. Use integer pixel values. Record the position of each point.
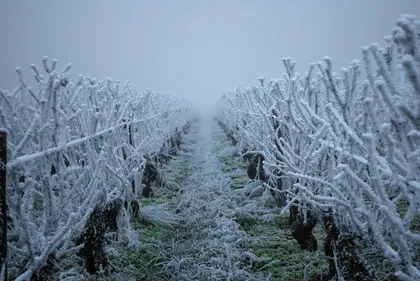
(73, 146)
(349, 143)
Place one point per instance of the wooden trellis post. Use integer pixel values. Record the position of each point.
(3, 208)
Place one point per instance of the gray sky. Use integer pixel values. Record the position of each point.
(194, 49)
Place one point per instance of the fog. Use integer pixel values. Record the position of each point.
(193, 49)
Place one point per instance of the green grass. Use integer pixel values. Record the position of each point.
(402, 207)
(156, 241)
(152, 201)
(151, 234)
(287, 260)
(142, 264)
(247, 223)
(233, 170)
(272, 240)
(146, 262)
(236, 186)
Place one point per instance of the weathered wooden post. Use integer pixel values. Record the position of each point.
(3, 208)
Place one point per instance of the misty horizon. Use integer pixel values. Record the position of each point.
(195, 50)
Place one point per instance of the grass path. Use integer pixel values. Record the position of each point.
(210, 243)
(223, 226)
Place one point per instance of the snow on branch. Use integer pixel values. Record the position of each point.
(348, 144)
(73, 146)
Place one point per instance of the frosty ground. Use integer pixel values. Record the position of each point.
(210, 222)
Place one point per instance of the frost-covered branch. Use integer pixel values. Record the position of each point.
(347, 144)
